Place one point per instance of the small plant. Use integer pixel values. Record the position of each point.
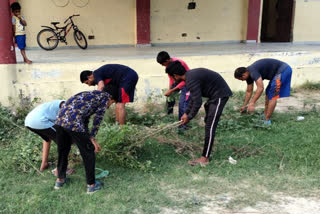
(120, 145)
(309, 85)
(21, 106)
(7, 126)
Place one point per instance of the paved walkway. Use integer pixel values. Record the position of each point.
(74, 54)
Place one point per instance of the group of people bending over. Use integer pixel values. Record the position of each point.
(66, 122)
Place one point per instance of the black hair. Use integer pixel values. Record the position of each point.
(175, 67)
(15, 6)
(112, 90)
(162, 57)
(239, 72)
(62, 103)
(84, 75)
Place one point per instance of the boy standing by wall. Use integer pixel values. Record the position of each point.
(19, 33)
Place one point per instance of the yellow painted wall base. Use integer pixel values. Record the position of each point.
(61, 80)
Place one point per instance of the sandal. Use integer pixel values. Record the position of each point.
(69, 171)
(102, 174)
(195, 163)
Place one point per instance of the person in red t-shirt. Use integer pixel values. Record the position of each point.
(164, 59)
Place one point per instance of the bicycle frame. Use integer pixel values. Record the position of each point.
(60, 30)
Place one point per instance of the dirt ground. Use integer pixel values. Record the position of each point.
(299, 101)
(283, 204)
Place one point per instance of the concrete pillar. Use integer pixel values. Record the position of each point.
(7, 51)
(253, 20)
(143, 22)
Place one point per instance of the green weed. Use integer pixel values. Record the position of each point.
(152, 175)
(310, 85)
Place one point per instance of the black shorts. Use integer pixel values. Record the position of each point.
(45, 134)
(127, 87)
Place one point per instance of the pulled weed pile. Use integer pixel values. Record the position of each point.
(123, 144)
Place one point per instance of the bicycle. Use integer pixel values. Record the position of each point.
(49, 37)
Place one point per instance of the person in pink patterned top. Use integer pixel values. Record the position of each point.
(164, 59)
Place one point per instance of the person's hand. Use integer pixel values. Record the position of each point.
(250, 107)
(184, 119)
(97, 147)
(243, 109)
(14, 40)
(168, 93)
(110, 102)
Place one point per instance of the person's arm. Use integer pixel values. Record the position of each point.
(98, 117)
(196, 98)
(14, 29)
(189, 106)
(257, 94)
(247, 97)
(23, 22)
(177, 88)
(180, 85)
(97, 147)
(100, 85)
(184, 117)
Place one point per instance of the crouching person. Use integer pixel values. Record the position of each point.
(72, 126)
(40, 121)
(202, 82)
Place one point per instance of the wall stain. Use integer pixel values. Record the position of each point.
(37, 74)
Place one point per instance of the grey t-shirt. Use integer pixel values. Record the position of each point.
(266, 69)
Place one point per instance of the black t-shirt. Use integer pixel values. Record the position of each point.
(111, 73)
(266, 69)
(202, 82)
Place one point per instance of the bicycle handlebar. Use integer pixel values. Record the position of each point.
(71, 17)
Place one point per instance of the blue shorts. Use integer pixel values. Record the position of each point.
(127, 87)
(21, 41)
(280, 85)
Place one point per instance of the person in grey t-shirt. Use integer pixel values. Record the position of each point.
(279, 73)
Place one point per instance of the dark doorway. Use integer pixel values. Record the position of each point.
(277, 16)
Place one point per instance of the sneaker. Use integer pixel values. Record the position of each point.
(59, 184)
(97, 186)
(267, 122)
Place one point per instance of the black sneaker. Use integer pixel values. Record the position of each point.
(59, 184)
(97, 186)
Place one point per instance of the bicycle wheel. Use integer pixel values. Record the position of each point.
(47, 39)
(80, 39)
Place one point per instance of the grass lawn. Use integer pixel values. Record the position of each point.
(281, 159)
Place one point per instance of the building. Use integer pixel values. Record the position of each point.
(141, 23)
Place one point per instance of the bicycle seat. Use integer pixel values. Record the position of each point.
(55, 23)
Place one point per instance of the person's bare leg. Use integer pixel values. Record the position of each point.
(266, 106)
(271, 106)
(25, 58)
(45, 154)
(121, 113)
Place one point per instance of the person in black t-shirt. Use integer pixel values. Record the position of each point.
(120, 76)
(202, 82)
(279, 73)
